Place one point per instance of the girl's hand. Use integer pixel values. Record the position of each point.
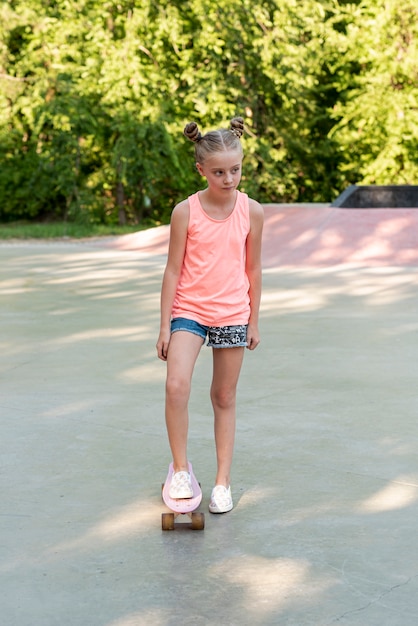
(253, 337)
(162, 344)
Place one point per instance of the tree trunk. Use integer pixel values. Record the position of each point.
(120, 203)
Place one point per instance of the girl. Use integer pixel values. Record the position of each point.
(211, 289)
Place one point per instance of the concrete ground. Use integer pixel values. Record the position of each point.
(325, 481)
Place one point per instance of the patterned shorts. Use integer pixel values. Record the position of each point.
(218, 336)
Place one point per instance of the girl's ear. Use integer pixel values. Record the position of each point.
(199, 169)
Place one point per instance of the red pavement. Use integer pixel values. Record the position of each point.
(318, 236)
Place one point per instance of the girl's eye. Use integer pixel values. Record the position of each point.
(234, 170)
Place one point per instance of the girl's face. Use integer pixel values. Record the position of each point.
(222, 170)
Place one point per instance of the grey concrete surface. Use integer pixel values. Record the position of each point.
(325, 481)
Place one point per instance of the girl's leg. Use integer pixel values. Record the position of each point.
(226, 369)
(183, 351)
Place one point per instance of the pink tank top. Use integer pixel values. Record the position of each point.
(213, 284)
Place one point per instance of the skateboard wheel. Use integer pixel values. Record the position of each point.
(198, 521)
(167, 521)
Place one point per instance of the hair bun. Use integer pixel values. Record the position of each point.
(192, 132)
(237, 126)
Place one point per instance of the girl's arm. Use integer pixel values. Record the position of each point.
(253, 269)
(176, 249)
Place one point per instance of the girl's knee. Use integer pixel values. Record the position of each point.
(177, 388)
(223, 397)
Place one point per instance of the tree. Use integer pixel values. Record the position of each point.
(377, 126)
(94, 97)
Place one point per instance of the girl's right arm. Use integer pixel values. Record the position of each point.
(176, 250)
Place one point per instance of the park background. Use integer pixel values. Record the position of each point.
(94, 96)
(93, 99)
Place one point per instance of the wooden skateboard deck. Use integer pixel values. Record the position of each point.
(183, 511)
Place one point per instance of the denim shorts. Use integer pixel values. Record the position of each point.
(218, 336)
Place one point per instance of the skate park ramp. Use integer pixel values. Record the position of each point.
(318, 235)
(325, 474)
(378, 197)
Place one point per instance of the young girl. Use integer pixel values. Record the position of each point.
(211, 289)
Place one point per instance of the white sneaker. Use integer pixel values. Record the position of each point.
(220, 500)
(181, 486)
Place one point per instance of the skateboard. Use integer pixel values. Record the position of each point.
(183, 512)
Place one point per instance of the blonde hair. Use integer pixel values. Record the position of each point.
(215, 140)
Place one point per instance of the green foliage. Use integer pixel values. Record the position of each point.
(377, 127)
(94, 96)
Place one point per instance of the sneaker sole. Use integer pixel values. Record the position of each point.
(215, 509)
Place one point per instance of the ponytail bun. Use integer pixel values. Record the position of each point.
(237, 126)
(192, 132)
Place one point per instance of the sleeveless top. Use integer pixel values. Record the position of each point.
(213, 284)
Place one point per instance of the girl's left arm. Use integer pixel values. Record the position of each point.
(253, 269)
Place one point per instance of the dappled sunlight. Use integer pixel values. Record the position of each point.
(311, 289)
(99, 276)
(402, 329)
(145, 617)
(269, 584)
(321, 235)
(259, 494)
(97, 267)
(147, 372)
(131, 521)
(396, 225)
(14, 286)
(12, 349)
(135, 518)
(391, 289)
(396, 495)
(79, 425)
(379, 286)
(116, 294)
(66, 311)
(373, 248)
(69, 408)
(130, 333)
(151, 241)
(291, 300)
(328, 242)
(306, 237)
